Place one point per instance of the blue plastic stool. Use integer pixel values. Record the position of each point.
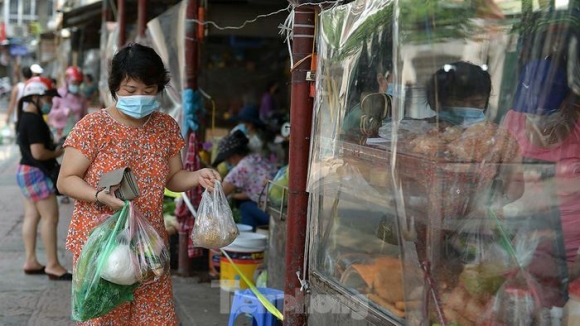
(245, 302)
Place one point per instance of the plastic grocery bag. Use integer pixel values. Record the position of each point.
(92, 295)
(150, 255)
(519, 298)
(278, 189)
(121, 253)
(214, 226)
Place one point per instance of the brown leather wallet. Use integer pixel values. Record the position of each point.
(124, 177)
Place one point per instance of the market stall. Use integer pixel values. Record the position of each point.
(427, 205)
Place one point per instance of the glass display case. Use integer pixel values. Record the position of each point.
(443, 173)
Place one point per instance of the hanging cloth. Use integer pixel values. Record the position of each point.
(184, 216)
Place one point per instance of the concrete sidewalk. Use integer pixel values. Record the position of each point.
(36, 301)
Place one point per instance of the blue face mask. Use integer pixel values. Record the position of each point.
(137, 106)
(46, 107)
(242, 127)
(229, 166)
(73, 88)
(391, 91)
(463, 116)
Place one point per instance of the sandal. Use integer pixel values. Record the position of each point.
(38, 271)
(64, 277)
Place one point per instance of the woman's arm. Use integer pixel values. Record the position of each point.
(71, 183)
(181, 180)
(41, 153)
(230, 189)
(12, 105)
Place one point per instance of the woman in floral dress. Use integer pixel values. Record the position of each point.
(130, 133)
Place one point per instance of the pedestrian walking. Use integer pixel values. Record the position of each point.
(39, 155)
(129, 133)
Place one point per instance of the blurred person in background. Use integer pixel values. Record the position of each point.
(268, 105)
(71, 107)
(25, 74)
(39, 154)
(90, 90)
(247, 177)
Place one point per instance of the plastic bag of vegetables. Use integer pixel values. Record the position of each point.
(121, 253)
(278, 188)
(149, 254)
(92, 295)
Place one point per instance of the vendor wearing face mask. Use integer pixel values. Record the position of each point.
(459, 93)
(71, 106)
(250, 124)
(246, 179)
(545, 121)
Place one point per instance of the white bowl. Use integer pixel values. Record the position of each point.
(244, 228)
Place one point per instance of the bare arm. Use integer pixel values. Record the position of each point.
(229, 189)
(12, 104)
(71, 183)
(41, 153)
(181, 180)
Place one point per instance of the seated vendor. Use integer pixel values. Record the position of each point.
(366, 117)
(459, 93)
(248, 173)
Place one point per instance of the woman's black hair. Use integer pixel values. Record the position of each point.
(458, 80)
(138, 62)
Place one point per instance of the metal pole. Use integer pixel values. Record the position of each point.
(191, 60)
(301, 123)
(142, 17)
(121, 20)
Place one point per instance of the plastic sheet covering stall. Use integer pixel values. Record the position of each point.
(350, 182)
(172, 52)
(444, 165)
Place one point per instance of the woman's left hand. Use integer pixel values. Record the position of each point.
(208, 177)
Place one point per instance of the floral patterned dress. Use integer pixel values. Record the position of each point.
(110, 145)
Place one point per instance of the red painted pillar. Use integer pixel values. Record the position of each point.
(141, 17)
(121, 20)
(301, 123)
(191, 61)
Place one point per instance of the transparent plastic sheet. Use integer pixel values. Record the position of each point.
(172, 52)
(93, 296)
(214, 226)
(436, 179)
(353, 40)
(473, 163)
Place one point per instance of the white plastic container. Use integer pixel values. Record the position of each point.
(244, 228)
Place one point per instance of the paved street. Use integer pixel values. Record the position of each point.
(34, 300)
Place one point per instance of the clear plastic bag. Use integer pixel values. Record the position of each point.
(518, 300)
(150, 255)
(214, 226)
(92, 295)
(278, 189)
(121, 253)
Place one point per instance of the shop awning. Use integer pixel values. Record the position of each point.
(83, 15)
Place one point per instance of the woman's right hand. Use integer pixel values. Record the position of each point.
(108, 199)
